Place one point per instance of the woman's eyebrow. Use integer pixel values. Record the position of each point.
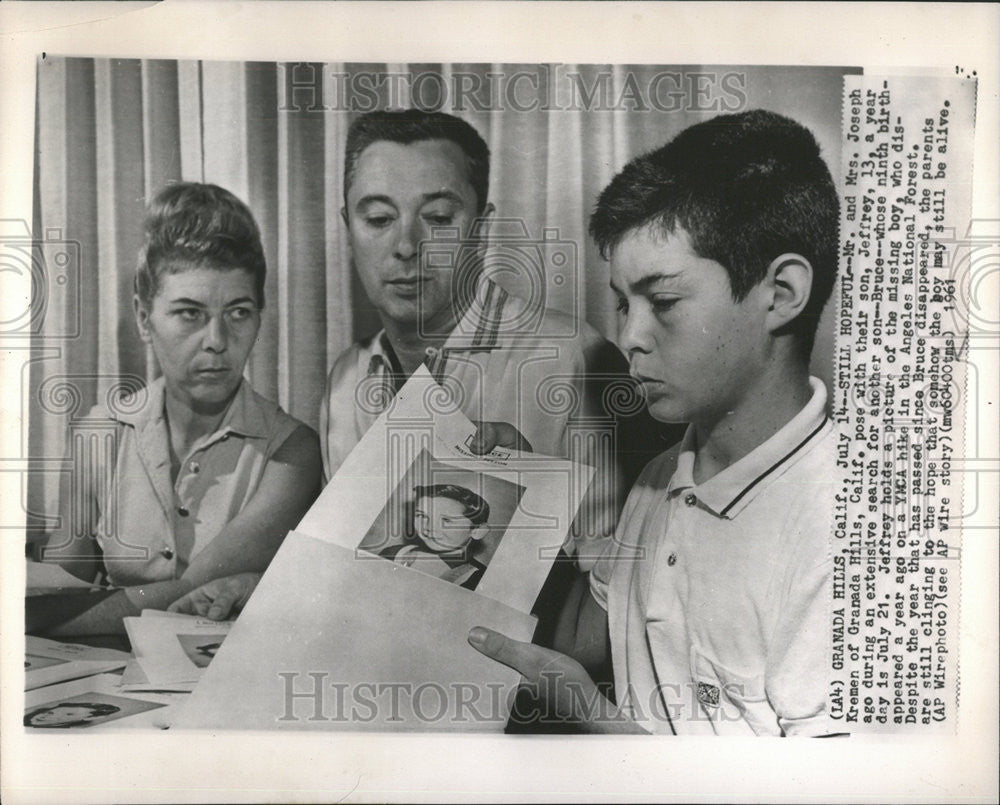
(242, 301)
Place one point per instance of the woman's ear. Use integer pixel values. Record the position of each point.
(789, 277)
(479, 531)
(141, 318)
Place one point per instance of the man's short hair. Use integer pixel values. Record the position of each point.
(416, 125)
(747, 188)
(193, 225)
(474, 507)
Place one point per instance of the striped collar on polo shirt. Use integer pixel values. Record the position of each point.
(730, 491)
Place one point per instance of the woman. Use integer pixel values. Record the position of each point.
(203, 477)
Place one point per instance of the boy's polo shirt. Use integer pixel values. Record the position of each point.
(148, 527)
(718, 594)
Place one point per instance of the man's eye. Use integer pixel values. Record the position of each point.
(378, 221)
(188, 314)
(440, 220)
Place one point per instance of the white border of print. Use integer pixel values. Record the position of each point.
(238, 767)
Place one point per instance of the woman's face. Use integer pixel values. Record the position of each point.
(202, 324)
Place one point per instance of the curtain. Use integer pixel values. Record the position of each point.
(110, 132)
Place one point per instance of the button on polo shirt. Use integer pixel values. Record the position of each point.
(718, 593)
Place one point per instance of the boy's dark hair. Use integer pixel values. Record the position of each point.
(416, 125)
(475, 508)
(746, 188)
(198, 225)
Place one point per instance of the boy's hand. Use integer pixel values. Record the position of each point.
(498, 434)
(562, 685)
(218, 598)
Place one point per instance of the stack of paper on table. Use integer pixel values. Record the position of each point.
(337, 637)
(171, 651)
(47, 662)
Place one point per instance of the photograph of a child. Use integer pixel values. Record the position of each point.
(85, 710)
(200, 648)
(444, 521)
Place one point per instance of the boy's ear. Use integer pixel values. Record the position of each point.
(479, 531)
(141, 318)
(789, 278)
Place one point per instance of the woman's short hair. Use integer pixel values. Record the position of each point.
(193, 225)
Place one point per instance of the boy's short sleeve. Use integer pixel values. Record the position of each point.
(798, 671)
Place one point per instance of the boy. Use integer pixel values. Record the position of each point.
(447, 520)
(714, 595)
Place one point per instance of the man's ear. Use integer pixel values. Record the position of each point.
(344, 218)
(789, 278)
(141, 318)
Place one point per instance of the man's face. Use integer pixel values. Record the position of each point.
(696, 351)
(398, 194)
(441, 523)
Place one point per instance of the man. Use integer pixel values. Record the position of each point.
(715, 593)
(410, 176)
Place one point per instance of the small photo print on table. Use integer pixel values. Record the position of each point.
(444, 520)
(84, 710)
(200, 648)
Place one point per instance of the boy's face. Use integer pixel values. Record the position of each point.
(696, 351)
(441, 523)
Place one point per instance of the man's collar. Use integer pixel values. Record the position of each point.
(727, 493)
(477, 331)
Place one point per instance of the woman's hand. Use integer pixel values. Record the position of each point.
(219, 598)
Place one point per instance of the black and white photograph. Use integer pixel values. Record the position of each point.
(593, 380)
(84, 710)
(199, 648)
(444, 521)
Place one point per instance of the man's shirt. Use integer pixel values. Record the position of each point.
(718, 594)
(554, 378)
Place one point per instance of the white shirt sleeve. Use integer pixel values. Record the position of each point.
(797, 678)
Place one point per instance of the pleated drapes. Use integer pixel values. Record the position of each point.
(110, 132)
